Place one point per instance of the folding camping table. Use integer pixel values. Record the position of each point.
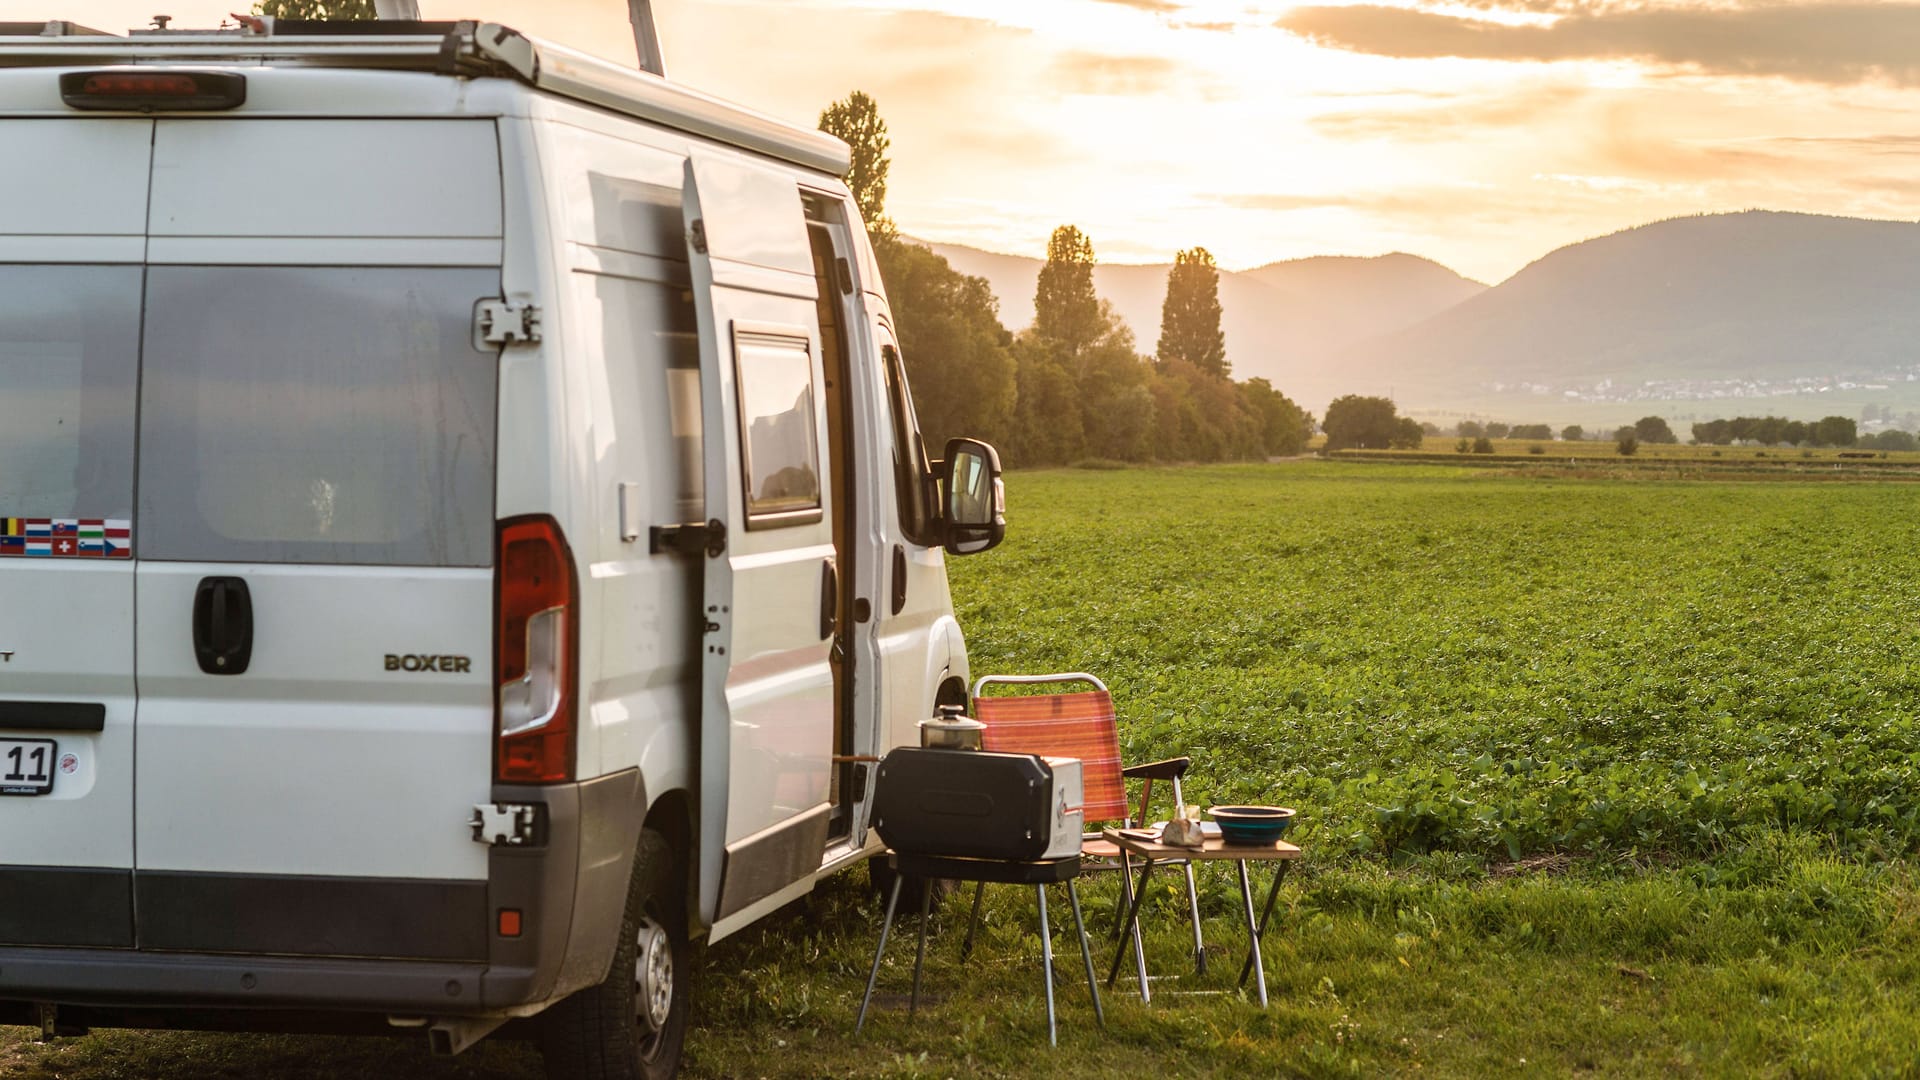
(1152, 852)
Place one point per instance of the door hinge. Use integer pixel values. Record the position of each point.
(511, 824)
(500, 322)
(690, 539)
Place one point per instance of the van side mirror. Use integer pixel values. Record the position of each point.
(975, 508)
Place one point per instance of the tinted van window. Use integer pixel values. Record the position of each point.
(69, 348)
(316, 415)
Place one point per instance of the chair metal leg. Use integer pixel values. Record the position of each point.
(1086, 952)
(1132, 923)
(893, 899)
(973, 921)
(1273, 893)
(920, 953)
(1046, 963)
(1193, 908)
(1253, 931)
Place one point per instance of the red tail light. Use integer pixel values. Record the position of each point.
(535, 653)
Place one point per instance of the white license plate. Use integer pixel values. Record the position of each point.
(26, 766)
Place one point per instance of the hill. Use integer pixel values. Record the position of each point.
(1282, 321)
(1705, 309)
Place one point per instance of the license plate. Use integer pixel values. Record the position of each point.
(26, 766)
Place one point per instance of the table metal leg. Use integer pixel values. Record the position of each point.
(1273, 893)
(1086, 952)
(920, 952)
(1193, 907)
(893, 899)
(1046, 963)
(1130, 932)
(973, 920)
(1253, 933)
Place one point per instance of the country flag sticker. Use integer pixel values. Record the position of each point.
(66, 538)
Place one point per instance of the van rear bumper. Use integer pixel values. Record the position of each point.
(570, 891)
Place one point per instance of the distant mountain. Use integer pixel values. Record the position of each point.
(1284, 321)
(1703, 309)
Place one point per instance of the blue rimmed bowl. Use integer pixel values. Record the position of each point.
(1251, 824)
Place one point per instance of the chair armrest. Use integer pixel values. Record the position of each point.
(1170, 769)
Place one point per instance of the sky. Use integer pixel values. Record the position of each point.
(1479, 133)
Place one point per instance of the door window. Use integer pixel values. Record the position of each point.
(780, 447)
(69, 351)
(317, 415)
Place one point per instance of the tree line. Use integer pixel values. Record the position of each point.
(1075, 385)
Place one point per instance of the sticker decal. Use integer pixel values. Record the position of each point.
(66, 538)
(69, 764)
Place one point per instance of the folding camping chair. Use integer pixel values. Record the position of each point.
(1082, 725)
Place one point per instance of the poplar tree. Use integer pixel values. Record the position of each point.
(856, 122)
(1066, 311)
(1190, 317)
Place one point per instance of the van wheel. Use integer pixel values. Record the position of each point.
(632, 1026)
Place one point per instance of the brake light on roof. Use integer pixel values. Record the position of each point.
(138, 90)
(535, 635)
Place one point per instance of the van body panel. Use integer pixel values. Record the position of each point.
(308, 177)
(98, 188)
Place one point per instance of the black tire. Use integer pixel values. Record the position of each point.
(607, 1032)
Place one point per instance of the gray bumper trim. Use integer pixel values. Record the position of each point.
(122, 978)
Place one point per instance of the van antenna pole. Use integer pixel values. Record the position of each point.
(646, 40)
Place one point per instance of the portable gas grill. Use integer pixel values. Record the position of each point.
(971, 815)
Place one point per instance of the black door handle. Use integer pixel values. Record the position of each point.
(829, 599)
(899, 579)
(223, 625)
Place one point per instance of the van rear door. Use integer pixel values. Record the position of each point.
(316, 530)
(70, 278)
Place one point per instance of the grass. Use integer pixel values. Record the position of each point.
(1609, 776)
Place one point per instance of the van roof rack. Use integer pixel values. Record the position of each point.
(466, 49)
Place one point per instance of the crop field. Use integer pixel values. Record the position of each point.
(1609, 775)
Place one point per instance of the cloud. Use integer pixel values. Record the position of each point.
(1831, 43)
(1446, 121)
(1080, 72)
(1156, 6)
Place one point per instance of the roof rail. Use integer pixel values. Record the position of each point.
(466, 49)
(50, 28)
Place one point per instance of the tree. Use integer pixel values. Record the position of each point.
(1792, 432)
(1467, 429)
(1284, 426)
(1530, 431)
(316, 9)
(1626, 442)
(1652, 429)
(1714, 432)
(955, 351)
(856, 122)
(1365, 422)
(1835, 431)
(1066, 310)
(1573, 433)
(1483, 445)
(1895, 439)
(1407, 434)
(1190, 315)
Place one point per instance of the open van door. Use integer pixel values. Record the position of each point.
(771, 581)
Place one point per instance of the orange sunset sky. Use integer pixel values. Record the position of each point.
(1481, 133)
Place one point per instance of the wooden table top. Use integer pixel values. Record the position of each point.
(1216, 849)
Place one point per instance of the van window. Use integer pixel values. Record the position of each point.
(69, 351)
(317, 415)
(910, 467)
(780, 450)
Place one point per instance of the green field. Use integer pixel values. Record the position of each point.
(1610, 774)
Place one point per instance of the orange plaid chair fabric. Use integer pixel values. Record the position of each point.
(1078, 725)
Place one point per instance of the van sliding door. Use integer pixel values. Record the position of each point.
(767, 711)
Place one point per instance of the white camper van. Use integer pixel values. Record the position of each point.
(463, 533)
